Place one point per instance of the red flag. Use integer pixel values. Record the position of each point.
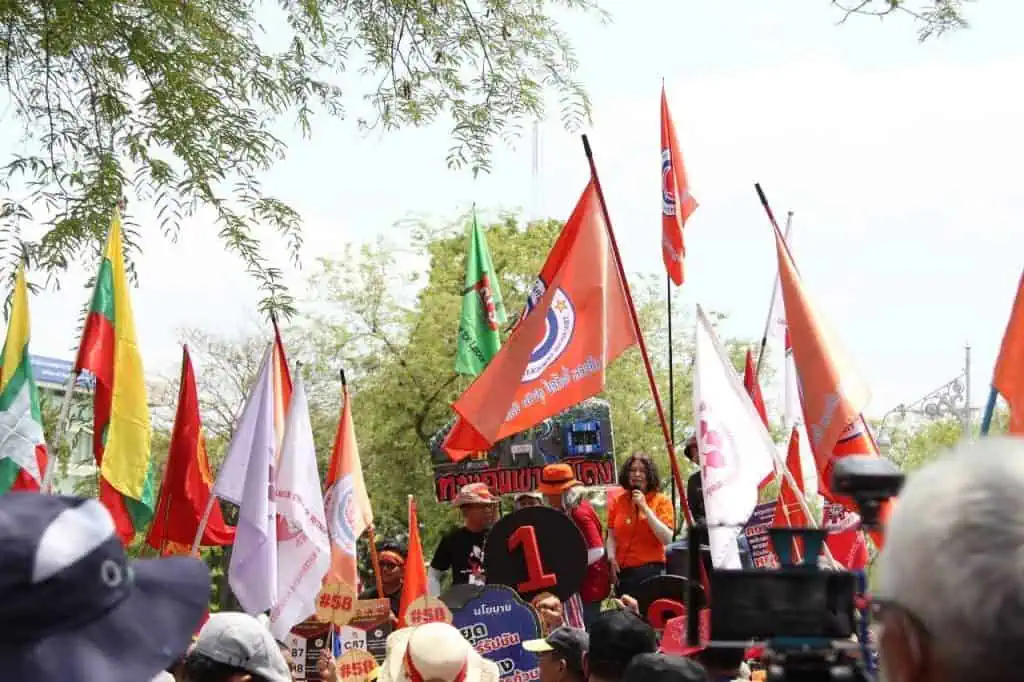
(676, 201)
(414, 582)
(558, 355)
(1009, 373)
(788, 511)
(831, 394)
(347, 502)
(754, 391)
(754, 388)
(187, 480)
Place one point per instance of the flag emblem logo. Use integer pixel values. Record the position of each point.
(342, 511)
(558, 330)
(668, 195)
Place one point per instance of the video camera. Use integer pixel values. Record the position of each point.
(805, 616)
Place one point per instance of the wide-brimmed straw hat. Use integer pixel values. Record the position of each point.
(75, 608)
(437, 652)
(474, 493)
(556, 479)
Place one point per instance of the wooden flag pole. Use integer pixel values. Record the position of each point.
(371, 537)
(666, 432)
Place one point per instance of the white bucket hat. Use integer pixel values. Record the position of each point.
(435, 652)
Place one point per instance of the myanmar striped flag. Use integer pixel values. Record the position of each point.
(22, 448)
(121, 427)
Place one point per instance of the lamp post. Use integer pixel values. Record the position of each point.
(952, 398)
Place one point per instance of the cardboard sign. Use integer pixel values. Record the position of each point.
(425, 610)
(756, 531)
(496, 621)
(534, 550)
(305, 642)
(581, 436)
(356, 665)
(367, 633)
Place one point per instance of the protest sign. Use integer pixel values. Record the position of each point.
(496, 621)
(534, 550)
(367, 632)
(756, 531)
(427, 609)
(305, 642)
(581, 437)
(356, 665)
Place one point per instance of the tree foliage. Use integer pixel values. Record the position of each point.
(175, 104)
(933, 17)
(387, 314)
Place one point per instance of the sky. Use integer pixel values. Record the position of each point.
(900, 161)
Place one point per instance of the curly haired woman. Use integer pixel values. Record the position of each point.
(640, 524)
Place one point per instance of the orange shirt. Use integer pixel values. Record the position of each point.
(635, 542)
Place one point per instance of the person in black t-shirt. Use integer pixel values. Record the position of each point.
(462, 550)
(391, 559)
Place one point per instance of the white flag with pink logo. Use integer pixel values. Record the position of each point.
(736, 452)
(303, 547)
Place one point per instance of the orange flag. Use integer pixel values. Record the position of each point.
(556, 357)
(676, 201)
(347, 503)
(831, 393)
(414, 582)
(1009, 374)
(187, 480)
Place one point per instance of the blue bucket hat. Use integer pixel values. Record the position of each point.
(74, 608)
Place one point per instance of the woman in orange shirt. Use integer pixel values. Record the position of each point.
(639, 525)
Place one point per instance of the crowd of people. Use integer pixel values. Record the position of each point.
(947, 602)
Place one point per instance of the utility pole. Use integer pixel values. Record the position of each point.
(967, 391)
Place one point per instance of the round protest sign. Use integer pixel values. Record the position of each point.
(496, 621)
(336, 603)
(356, 665)
(661, 599)
(425, 610)
(537, 549)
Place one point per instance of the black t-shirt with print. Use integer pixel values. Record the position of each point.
(462, 552)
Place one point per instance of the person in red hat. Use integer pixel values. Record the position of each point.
(559, 485)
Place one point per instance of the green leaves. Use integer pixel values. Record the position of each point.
(173, 103)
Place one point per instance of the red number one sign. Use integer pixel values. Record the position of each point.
(536, 578)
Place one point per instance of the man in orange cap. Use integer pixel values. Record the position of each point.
(559, 485)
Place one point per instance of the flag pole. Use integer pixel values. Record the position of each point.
(771, 305)
(665, 431)
(990, 408)
(371, 538)
(62, 432)
(671, 388)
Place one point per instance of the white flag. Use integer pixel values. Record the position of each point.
(793, 417)
(247, 476)
(736, 452)
(303, 547)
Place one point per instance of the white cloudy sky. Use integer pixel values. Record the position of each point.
(900, 160)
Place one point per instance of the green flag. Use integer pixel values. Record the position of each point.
(482, 309)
